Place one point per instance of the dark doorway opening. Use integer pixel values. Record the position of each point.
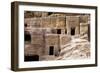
(27, 36)
(49, 13)
(31, 58)
(58, 31)
(72, 31)
(51, 50)
(25, 25)
(65, 31)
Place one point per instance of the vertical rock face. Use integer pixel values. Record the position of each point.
(55, 36)
(61, 22)
(72, 22)
(44, 14)
(53, 21)
(84, 28)
(30, 51)
(84, 18)
(37, 14)
(37, 39)
(51, 40)
(45, 22)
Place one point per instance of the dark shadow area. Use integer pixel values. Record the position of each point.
(72, 31)
(51, 50)
(31, 58)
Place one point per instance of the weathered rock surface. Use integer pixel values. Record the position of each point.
(78, 48)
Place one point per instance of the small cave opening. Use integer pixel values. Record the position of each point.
(27, 36)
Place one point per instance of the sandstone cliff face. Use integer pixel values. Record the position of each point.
(67, 34)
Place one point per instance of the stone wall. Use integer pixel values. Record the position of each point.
(84, 28)
(72, 22)
(46, 22)
(51, 40)
(61, 22)
(84, 18)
